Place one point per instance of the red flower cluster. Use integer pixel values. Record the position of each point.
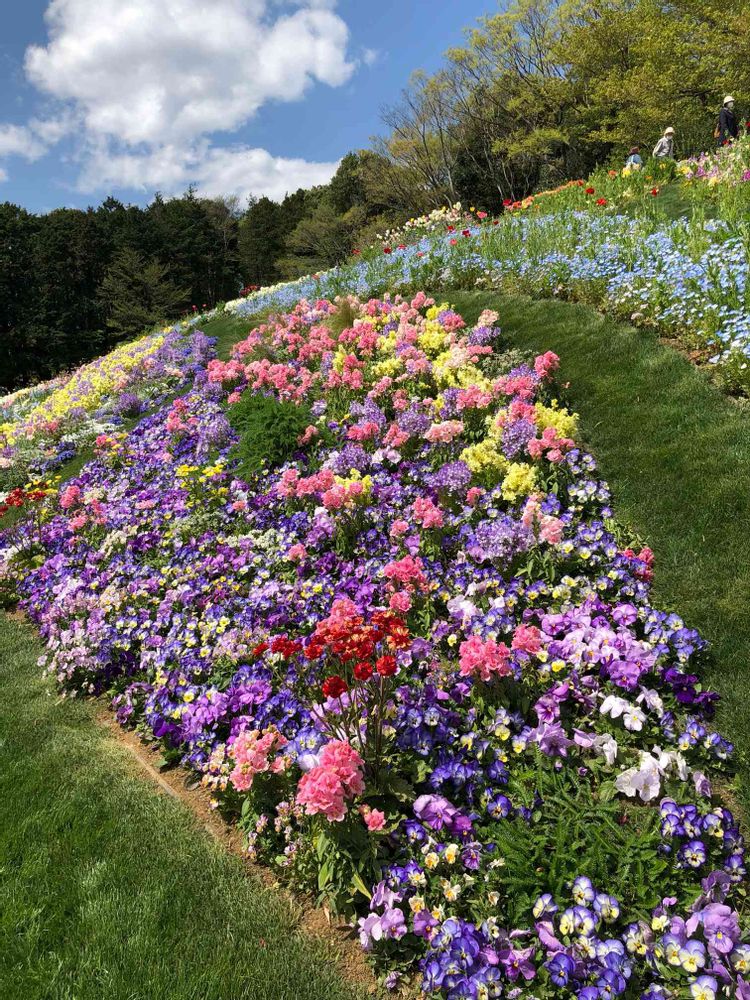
(345, 636)
(287, 647)
(20, 497)
(590, 190)
(601, 201)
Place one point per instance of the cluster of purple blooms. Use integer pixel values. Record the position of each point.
(174, 603)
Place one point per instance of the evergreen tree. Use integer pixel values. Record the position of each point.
(136, 295)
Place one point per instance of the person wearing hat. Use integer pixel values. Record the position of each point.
(664, 149)
(634, 160)
(728, 129)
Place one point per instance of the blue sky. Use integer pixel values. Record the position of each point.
(237, 96)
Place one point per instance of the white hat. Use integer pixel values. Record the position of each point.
(728, 98)
(669, 131)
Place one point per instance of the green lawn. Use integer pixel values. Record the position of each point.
(676, 453)
(110, 890)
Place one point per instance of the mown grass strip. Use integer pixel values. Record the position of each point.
(109, 889)
(676, 453)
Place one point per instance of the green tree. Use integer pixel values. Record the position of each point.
(136, 294)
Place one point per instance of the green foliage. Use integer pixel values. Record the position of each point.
(137, 295)
(574, 831)
(268, 431)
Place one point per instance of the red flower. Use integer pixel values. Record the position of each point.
(654, 191)
(387, 250)
(259, 650)
(451, 229)
(356, 251)
(454, 242)
(601, 201)
(334, 687)
(386, 666)
(507, 202)
(466, 232)
(363, 671)
(402, 246)
(590, 190)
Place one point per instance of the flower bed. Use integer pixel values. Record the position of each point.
(417, 662)
(46, 425)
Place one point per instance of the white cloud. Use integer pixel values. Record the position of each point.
(214, 170)
(370, 56)
(3, 175)
(140, 87)
(166, 71)
(18, 140)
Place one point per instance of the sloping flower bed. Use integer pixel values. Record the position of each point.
(44, 426)
(417, 661)
(687, 279)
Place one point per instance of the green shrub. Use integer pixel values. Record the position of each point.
(268, 431)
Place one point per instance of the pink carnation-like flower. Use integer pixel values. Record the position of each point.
(551, 529)
(473, 495)
(426, 513)
(341, 757)
(398, 528)
(374, 818)
(483, 658)
(70, 497)
(400, 602)
(545, 364)
(527, 639)
(251, 753)
(321, 792)
(444, 432)
(325, 789)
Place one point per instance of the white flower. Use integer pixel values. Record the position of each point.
(606, 745)
(633, 718)
(651, 700)
(613, 706)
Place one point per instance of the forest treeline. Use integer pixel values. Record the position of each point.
(539, 93)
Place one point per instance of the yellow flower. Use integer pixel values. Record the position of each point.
(519, 481)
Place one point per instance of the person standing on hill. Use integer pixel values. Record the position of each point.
(664, 149)
(727, 128)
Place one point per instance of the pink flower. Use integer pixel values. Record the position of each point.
(251, 754)
(545, 364)
(70, 497)
(310, 432)
(473, 495)
(483, 658)
(297, 552)
(400, 602)
(527, 639)
(551, 529)
(398, 528)
(426, 513)
(374, 818)
(321, 791)
(340, 757)
(444, 432)
(324, 789)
